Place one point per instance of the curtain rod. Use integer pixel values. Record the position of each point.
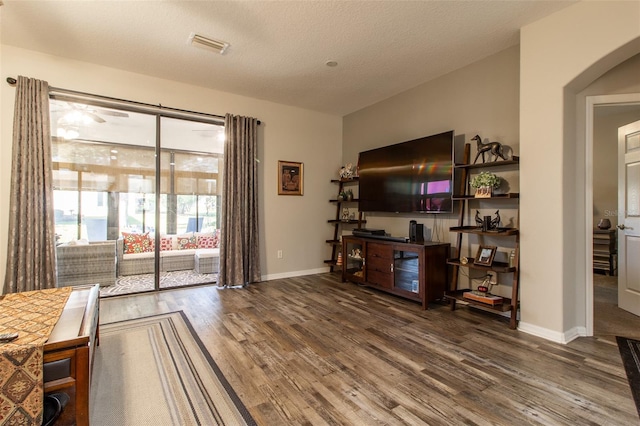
(12, 82)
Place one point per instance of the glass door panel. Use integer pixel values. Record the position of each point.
(354, 260)
(190, 156)
(406, 270)
(104, 186)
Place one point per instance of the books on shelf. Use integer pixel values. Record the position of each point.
(488, 299)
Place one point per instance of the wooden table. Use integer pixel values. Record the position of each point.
(68, 353)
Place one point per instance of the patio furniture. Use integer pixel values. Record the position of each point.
(81, 263)
(207, 261)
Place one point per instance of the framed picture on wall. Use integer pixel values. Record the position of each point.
(290, 178)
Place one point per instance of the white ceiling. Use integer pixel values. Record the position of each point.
(278, 48)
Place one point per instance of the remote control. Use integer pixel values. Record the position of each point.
(7, 337)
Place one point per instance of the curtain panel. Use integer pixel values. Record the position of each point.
(239, 250)
(31, 242)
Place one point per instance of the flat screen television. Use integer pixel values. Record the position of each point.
(409, 177)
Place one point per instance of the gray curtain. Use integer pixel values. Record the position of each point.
(239, 253)
(31, 246)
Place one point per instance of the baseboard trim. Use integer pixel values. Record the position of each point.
(292, 274)
(554, 336)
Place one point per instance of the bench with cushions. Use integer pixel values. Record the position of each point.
(192, 251)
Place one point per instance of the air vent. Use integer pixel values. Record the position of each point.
(208, 43)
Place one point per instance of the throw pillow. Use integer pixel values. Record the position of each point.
(207, 242)
(152, 244)
(166, 243)
(186, 243)
(135, 243)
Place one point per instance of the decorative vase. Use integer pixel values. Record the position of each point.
(604, 224)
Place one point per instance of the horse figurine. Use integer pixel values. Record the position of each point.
(494, 148)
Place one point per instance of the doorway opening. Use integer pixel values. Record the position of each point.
(602, 203)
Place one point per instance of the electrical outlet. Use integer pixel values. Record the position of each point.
(279, 254)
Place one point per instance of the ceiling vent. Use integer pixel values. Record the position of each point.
(208, 43)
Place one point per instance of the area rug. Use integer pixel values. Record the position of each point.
(630, 353)
(144, 282)
(156, 371)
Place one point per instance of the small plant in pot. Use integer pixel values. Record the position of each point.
(485, 183)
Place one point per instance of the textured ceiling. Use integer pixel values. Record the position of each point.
(278, 48)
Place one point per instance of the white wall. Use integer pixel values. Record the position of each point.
(481, 98)
(622, 79)
(292, 224)
(559, 56)
(605, 162)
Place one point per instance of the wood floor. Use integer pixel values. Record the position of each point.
(312, 351)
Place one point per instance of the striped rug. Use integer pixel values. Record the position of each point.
(630, 354)
(156, 371)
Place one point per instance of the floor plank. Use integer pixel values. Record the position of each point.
(313, 350)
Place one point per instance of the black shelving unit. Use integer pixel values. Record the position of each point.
(338, 223)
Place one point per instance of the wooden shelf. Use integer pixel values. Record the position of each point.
(500, 232)
(346, 181)
(349, 222)
(501, 267)
(458, 296)
(353, 200)
(503, 163)
(493, 197)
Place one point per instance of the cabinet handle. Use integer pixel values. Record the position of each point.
(392, 267)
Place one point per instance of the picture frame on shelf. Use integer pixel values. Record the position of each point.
(290, 178)
(485, 255)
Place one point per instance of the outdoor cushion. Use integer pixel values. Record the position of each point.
(135, 243)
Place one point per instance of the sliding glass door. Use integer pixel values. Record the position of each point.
(136, 196)
(189, 211)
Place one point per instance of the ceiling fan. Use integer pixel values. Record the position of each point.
(71, 111)
(95, 112)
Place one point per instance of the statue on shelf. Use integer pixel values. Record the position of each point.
(345, 215)
(492, 148)
(346, 172)
(487, 223)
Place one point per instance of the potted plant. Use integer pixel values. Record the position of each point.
(342, 196)
(348, 195)
(485, 183)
